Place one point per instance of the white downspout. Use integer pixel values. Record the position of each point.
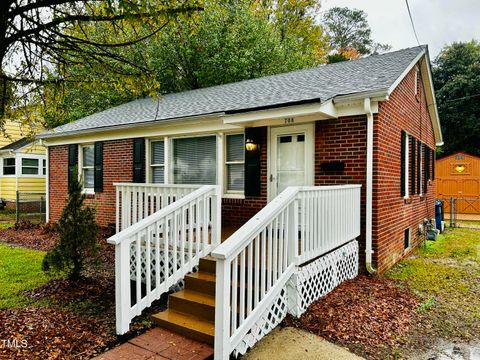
(368, 215)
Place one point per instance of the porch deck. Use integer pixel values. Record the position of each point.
(247, 278)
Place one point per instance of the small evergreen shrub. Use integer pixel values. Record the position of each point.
(77, 231)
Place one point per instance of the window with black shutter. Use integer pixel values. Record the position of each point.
(139, 160)
(98, 167)
(72, 161)
(413, 164)
(419, 166)
(402, 163)
(426, 167)
(434, 157)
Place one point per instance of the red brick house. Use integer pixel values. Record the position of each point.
(371, 122)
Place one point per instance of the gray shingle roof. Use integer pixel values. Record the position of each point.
(373, 73)
(17, 144)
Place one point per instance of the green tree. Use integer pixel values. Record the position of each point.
(456, 76)
(223, 43)
(77, 231)
(38, 40)
(349, 33)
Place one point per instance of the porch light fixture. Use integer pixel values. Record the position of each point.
(250, 145)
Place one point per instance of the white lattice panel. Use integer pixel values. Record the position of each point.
(318, 278)
(143, 258)
(267, 322)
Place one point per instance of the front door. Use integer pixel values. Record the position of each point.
(291, 157)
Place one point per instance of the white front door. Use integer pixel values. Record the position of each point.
(291, 157)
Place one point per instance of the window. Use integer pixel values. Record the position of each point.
(29, 166)
(87, 162)
(406, 238)
(44, 166)
(235, 162)
(194, 160)
(157, 161)
(9, 166)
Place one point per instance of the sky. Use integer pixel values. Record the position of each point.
(438, 22)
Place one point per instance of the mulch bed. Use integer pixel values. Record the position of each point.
(74, 319)
(367, 314)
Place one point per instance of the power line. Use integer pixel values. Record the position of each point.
(463, 98)
(411, 20)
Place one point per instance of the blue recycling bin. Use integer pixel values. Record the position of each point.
(439, 214)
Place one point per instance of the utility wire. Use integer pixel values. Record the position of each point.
(464, 97)
(411, 20)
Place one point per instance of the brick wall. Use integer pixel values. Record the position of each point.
(391, 213)
(345, 140)
(117, 167)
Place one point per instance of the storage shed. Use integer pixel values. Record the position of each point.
(458, 176)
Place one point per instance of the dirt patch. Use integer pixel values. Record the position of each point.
(368, 315)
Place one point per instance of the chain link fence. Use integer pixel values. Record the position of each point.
(461, 212)
(31, 206)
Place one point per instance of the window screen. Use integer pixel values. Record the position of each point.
(30, 166)
(9, 166)
(157, 161)
(235, 162)
(194, 160)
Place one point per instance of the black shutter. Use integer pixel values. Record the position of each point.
(426, 167)
(419, 164)
(402, 163)
(72, 162)
(413, 164)
(139, 160)
(252, 164)
(98, 172)
(434, 157)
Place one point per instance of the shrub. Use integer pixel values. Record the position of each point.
(77, 231)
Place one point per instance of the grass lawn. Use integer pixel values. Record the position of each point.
(446, 277)
(20, 270)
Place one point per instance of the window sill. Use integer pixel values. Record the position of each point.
(233, 196)
(88, 192)
(407, 200)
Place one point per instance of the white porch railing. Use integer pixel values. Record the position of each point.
(255, 263)
(159, 250)
(137, 201)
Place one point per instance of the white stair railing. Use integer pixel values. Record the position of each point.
(255, 263)
(136, 201)
(159, 250)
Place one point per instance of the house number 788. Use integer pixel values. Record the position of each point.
(289, 120)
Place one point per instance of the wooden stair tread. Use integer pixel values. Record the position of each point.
(194, 296)
(201, 275)
(186, 324)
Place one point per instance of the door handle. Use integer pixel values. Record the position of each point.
(271, 177)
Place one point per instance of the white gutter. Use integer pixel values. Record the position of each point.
(368, 215)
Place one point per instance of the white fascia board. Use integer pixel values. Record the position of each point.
(205, 126)
(428, 84)
(380, 95)
(326, 111)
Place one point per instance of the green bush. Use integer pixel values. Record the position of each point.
(78, 232)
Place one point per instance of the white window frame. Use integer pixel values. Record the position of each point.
(226, 192)
(81, 167)
(38, 167)
(14, 166)
(149, 155)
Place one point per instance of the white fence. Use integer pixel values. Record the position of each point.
(255, 263)
(159, 250)
(137, 201)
